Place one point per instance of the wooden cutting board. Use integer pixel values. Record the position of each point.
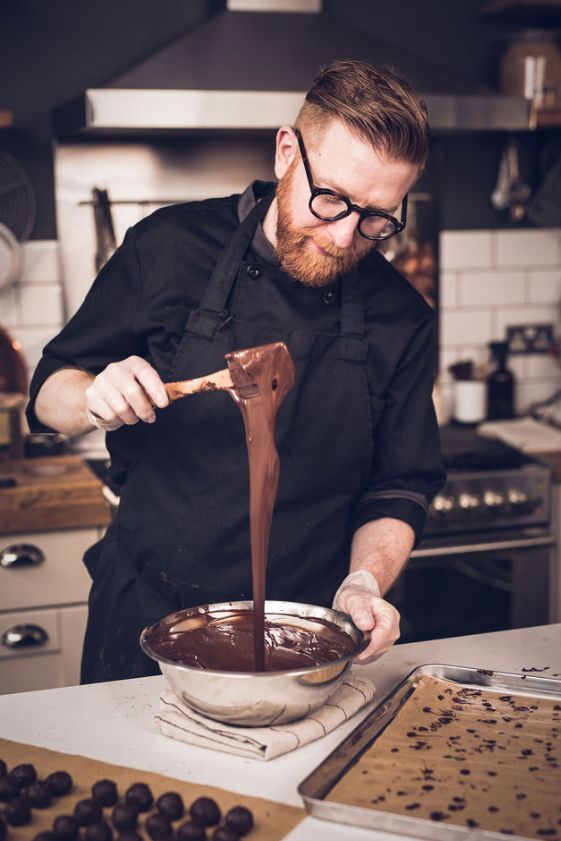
(48, 494)
(272, 820)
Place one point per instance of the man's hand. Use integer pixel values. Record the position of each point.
(359, 596)
(124, 393)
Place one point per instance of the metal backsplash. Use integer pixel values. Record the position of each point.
(139, 178)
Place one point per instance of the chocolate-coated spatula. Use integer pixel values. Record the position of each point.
(239, 375)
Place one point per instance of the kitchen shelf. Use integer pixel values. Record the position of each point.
(525, 12)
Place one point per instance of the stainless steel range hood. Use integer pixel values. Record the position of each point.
(247, 71)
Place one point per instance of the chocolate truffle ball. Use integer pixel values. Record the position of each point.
(222, 833)
(3, 768)
(23, 775)
(139, 795)
(87, 811)
(190, 831)
(39, 795)
(3, 829)
(124, 816)
(158, 827)
(44, 836)
(170, 805)
(8, 790)
(204, 810)
(105, 792)
(66, 827)
(239, 819)
(17, 812)
(100, 831)
(60, 783)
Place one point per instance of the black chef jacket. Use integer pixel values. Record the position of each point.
(140, 301)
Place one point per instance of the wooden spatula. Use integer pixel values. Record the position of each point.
(211, 382)
(239, 375)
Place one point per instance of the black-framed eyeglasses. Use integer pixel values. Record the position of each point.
(330, 206)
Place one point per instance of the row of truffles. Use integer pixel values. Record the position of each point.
(21, 791)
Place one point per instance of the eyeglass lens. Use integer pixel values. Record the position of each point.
(331, 207)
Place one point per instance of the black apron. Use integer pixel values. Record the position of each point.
(181, 536)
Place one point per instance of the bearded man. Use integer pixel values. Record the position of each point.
(357, 436)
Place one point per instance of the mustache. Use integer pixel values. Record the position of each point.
(325, 244)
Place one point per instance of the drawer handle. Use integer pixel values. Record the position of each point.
(21, 555)
(24, 636)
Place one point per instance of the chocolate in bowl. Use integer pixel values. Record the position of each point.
(206, 655)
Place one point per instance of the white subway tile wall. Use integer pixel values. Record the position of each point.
(494, 279)
(32, 309)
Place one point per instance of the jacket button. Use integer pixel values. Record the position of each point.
(328, 296)
(254, 272)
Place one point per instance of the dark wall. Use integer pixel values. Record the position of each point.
(51, 51)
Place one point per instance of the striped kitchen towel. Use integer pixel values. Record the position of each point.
(177, 720)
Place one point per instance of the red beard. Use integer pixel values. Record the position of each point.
(296, 251)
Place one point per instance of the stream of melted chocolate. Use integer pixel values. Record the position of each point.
(262, 378)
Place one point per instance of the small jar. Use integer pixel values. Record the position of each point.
(531, 67)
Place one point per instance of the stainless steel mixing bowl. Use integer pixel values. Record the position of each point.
(255, 699)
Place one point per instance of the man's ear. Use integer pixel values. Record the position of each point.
(286, 148)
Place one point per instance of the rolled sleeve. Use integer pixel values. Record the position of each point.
(407, 468)
(101, 331)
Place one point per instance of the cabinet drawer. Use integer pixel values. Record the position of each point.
(53, 664)
(48, 570)
(37, 630)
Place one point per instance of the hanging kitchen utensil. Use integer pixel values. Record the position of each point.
(10, 257)
(511, 191)
(18, 206)
(104, 229)
(519, 190)
(500, 195)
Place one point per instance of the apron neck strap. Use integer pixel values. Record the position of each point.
(224, 275)
(352, 308)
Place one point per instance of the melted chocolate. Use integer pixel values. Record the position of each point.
(226, 643)
(262, 378)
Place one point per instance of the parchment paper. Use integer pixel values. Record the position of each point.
(465, 756)
(272, 820)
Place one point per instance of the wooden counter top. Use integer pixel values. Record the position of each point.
(49, 494)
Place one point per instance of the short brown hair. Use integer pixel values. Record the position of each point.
(377, 103)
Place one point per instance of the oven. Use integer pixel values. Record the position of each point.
(485, 562)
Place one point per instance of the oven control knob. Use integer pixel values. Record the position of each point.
(469, 502)
(443, 504)
(492, 499)
(517, 497)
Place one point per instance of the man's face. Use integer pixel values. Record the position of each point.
(311, 250)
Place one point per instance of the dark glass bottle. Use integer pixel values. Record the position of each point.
(500, 385)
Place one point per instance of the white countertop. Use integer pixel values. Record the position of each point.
(112, 722)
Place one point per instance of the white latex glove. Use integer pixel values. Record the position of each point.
(124, 393)
(359, 596)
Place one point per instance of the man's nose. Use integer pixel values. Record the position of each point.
(343, 231)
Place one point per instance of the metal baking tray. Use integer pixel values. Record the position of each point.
(315, 788)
